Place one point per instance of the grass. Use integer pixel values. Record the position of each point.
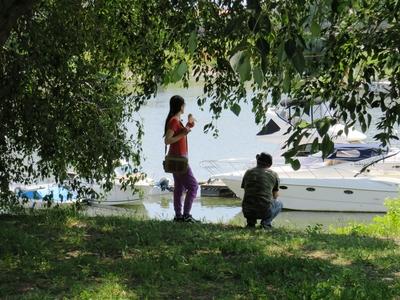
(63, 254)
(386, 226)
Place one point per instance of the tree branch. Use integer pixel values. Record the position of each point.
(10, 11)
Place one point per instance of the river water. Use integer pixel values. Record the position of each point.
(227, 211)
(237, 139)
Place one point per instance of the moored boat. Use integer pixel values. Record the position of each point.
(355, 178)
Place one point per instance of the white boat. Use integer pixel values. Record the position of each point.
(118, 195)
(279, 119)
(355, 178)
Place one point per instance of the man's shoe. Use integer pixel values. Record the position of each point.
(178, 219)
(190, 219)
(266, 226)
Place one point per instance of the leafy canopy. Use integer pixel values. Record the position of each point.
(64, 69)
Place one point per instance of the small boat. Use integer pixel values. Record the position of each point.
(45, 195)
(118, 195)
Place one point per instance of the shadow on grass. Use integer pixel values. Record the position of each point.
(61, 254)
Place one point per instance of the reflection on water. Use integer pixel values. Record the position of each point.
(227, 211)
(205, 209)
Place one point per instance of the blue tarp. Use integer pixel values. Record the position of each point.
(52, 193)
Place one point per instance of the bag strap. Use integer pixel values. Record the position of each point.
(186, 139)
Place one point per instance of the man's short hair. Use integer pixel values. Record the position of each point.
(264, 159)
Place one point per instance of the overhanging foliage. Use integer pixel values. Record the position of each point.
(65, 66)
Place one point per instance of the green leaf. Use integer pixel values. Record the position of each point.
(361, 120)
(235, 108)
(286, 82)
(240, 63)
(262, 46)
(290, 48)
(245, 69)
(258, 76)
(252, 23)
(281, 51)
(298, 61)
(303, 124)
(192, 44)
(236, 60)
(323, 127)
(265, 24)
(315, 28)
(326, 146)
(182, 69)
(369, 119)
(315, 145)
(264, 65)
(178, 72)
(295, 163)
(254, 5)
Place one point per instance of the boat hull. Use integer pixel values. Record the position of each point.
(334, 194)
(118, 196)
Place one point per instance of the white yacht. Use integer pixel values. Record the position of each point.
(343, 182)
(354, 178)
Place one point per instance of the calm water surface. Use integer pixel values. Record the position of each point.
(227, 211)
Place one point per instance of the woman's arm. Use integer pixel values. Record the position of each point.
(170, 138)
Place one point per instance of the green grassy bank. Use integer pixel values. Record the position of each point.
(63, 254)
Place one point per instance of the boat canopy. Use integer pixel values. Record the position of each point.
(356, 152)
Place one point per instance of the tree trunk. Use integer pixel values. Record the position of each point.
(10, 11)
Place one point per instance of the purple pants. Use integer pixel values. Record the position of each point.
(184, 182)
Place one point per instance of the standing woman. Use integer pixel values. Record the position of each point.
(175, 135)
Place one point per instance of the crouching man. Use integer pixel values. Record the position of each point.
(261, 186)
